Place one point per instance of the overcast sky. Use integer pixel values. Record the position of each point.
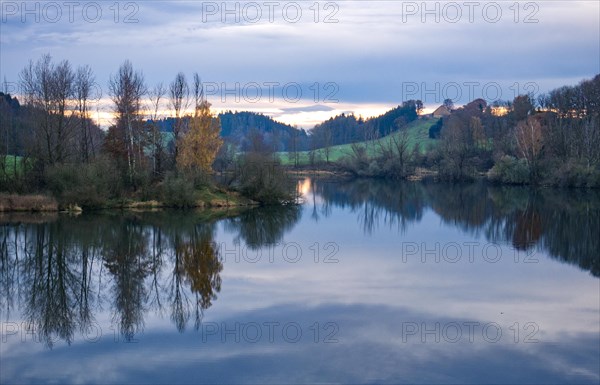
(304, 61)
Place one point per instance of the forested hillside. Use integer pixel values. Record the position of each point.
(236, 128)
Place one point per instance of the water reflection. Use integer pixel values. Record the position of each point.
(374, 202)
(168, 275)
(60, 272)
(564, 223)
(264, 226)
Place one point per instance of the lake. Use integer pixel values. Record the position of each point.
(366, 281)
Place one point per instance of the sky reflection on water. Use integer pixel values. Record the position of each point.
(367, 282)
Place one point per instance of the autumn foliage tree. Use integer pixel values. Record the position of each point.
(200, 145)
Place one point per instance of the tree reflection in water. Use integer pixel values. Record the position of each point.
(127, 259)
(263, 226)
(563, 223)
(59, 272)
(196, 263)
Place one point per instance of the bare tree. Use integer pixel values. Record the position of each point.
(49, 88)
(590, 125)
(590, 141)
(127, 89)
(27, 82)
(62, 90)
(395, 154)
(293, 153)
(84, 81)
(528, 134)
(457, 147)
(198, 92)
(326, 139)
(155, 99)
(179, 99)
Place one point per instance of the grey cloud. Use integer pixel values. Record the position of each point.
(312, 108)
(370, 53)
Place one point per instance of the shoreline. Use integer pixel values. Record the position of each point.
(30, 217)
(422, 174)
(45, 204)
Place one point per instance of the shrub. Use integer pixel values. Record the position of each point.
(374, 168)
(260, 177)
(510, 170)
(391, 168)
(142, 181)
(435, 129)
(449, 170)
(357, 162)
(574, 174)
(178, 191)
(88, 185)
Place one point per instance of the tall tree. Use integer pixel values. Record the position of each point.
(293, 154)
(326, 138)
(84, 81)
(48, 90)
(528, 134)
(179, 99)
(155, 97)
(127, 89)
(395, 154)
(522, 106)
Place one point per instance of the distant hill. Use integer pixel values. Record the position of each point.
(344, 129)
(339, 130)
(235, 127)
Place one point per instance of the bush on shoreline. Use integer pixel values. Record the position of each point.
(178, 191)
(260, 177)
(89, 185)
(510, 170)
(573, 174)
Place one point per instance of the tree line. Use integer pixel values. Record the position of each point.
(49, 141)
(551, 139)
(347, 128)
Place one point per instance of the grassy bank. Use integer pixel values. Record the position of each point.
(209, 198)
(418, 132)
(31, 203)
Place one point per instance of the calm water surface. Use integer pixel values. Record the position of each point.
(365, 282)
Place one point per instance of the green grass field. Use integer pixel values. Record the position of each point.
(418, 132)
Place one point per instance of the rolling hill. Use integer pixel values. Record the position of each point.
(418, 131)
